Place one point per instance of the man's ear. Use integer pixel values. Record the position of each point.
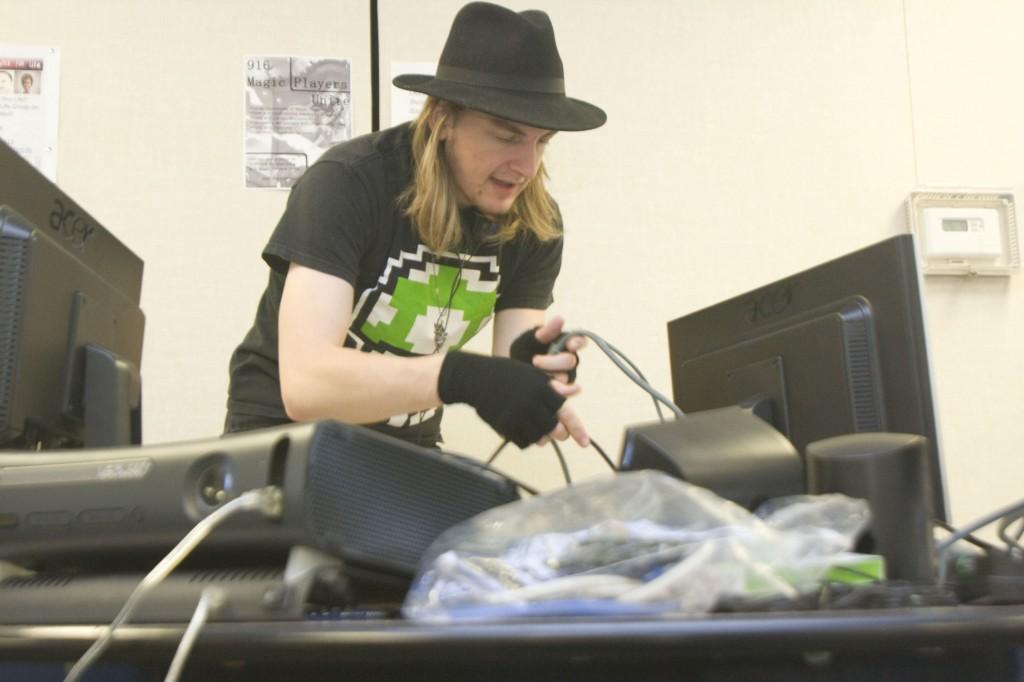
(441, 115)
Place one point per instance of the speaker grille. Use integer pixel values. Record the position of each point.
(867, 414)
(378, 500)
(35, 582)
(13, 254)
(240, 575)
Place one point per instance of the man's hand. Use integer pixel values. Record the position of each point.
(569, 423)
(532, 347)
(518, 401)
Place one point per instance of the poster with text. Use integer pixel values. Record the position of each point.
(295, 109)
(29, 101)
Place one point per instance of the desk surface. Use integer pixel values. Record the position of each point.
(950, 636)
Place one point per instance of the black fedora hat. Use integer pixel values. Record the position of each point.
(505, 64)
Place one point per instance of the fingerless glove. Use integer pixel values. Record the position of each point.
(526, 346)
(515, 399)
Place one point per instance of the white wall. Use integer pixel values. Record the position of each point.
(968, 108)
(151, 143)
(747, 139)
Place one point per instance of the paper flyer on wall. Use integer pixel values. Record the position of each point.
(29, 103)
(295, 109)
(406, 104)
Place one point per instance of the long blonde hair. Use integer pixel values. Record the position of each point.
(431, 200)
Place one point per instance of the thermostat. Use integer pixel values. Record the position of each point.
(963, 232)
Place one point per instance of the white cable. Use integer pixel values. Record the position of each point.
(211, 599)
(266, 499)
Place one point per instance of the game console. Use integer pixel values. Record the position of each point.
(372, 500)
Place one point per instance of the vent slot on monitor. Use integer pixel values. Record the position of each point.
(13, 253)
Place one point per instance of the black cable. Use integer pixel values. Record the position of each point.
(1013, 543)
(1013, 510)
(520, 484)
(561, 460)
(497, 452)
(486, 466)
(604, 456)
(630, 369)
(977, 542)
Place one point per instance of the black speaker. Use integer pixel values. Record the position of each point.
(729, 451)
(890, 471)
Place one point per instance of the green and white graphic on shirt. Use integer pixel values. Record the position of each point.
(420, 290)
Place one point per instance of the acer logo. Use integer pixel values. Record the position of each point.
(70, 225)
(770, 302)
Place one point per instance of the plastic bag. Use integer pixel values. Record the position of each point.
(638, 542)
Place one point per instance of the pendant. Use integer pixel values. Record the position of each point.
(440, 336)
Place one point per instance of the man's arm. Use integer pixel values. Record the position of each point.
(509, 324)
(321, 379)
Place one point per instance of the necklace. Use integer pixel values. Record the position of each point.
(444, 315)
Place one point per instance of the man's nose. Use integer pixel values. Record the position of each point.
(527, 159)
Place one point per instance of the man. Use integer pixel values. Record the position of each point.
(26, 84)
(397, 247)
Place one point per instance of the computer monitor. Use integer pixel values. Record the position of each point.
(837, 349)
(70, 324)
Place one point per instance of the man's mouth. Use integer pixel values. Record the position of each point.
(504, 184)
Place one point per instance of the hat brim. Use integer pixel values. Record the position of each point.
(540, 110)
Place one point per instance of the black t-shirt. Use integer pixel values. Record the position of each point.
(344, 218)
